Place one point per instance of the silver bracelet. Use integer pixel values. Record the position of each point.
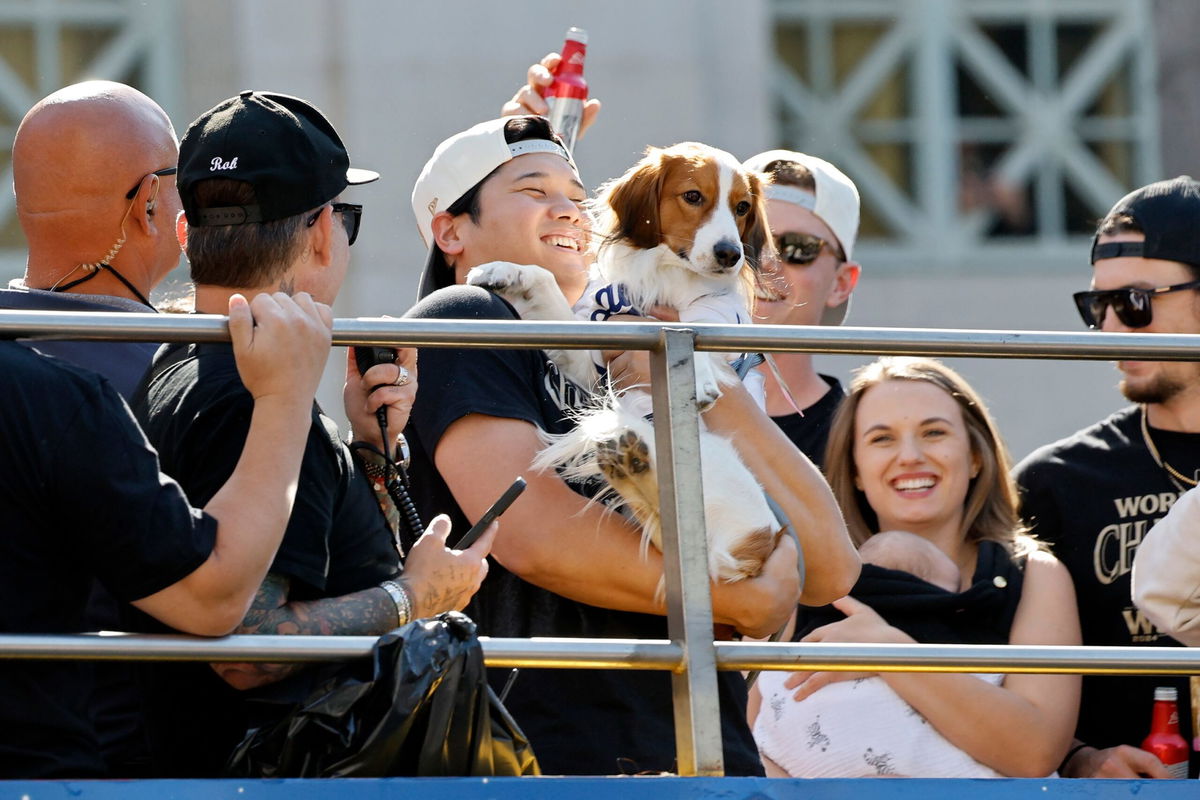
(403, 602)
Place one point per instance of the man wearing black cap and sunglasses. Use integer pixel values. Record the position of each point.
(260, 178)
(1094, 496)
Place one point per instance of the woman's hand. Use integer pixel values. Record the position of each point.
(442, 579)
(862, 624)
(807, 684)
(393, 385)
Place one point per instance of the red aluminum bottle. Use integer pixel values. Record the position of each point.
(1164, 740)
(567, 94)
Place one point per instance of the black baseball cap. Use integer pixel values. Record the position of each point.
(283, 146)
(1168, 212)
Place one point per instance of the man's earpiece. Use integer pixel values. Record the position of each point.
(153, 197)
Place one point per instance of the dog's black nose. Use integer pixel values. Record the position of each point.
(727, 253)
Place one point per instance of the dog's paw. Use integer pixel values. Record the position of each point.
(708, 388)
(502, 277)
(624, 458)
(525, 281)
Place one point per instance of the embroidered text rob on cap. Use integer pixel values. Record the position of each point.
(282, 146)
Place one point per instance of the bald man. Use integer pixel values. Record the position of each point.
(93, 175)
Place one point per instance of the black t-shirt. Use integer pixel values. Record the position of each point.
(579, 721)
(197, 412)
(81, 497)
(116, 705)
(810, 432)
(123, 363)
(1092, 497)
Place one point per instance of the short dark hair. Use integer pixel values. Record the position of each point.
(517, 129)
(1117, 222)
(248, 255)
(791, 173)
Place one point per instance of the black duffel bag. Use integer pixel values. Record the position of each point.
(420, 705)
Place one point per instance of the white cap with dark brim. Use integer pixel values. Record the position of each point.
(456, 166)
(835, 201)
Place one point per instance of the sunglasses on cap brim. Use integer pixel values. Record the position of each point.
(1131, 304)
(802, 248)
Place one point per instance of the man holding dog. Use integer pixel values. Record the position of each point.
(813, 214)
(507, 190)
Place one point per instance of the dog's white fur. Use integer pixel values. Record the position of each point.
(616, 442)
(614, 438)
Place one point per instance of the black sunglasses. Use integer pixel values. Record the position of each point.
(351, 218)
(159, 172)
(801, 248)
(1131, 304)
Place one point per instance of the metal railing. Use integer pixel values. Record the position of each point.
(690, 654)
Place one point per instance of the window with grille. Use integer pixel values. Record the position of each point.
(976, 130)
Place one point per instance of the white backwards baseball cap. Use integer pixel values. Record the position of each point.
(456, 166)
(835, 200)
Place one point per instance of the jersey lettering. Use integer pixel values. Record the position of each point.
(1146, 505)
(1115, 547)
(1141, 629)
(610, 299)
(567, 395)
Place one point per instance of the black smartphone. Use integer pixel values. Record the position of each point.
(498, 508)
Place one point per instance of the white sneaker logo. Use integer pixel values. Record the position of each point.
(218, 164)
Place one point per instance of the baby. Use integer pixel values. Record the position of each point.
(861, 728)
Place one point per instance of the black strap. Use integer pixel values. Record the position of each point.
(141, 297)
(1117, 250)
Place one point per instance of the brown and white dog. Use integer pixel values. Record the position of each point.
(684, 228)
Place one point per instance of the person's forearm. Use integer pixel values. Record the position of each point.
(253, 506)
(369, 612)
(831, 561)
(591, 556)
(555, 539)
(993, 724)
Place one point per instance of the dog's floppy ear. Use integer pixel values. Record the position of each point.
(633, 199)
(756, 236)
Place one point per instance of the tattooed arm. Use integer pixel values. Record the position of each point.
(370, 612)
(438, 579)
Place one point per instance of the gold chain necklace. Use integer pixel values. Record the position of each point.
(1175, 475)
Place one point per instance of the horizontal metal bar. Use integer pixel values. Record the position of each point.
(640, 654)
(547, 652)
(959, 658)
(630, 335)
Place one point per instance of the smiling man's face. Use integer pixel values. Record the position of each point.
(530, 212)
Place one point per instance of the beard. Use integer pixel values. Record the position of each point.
(1159, 389)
